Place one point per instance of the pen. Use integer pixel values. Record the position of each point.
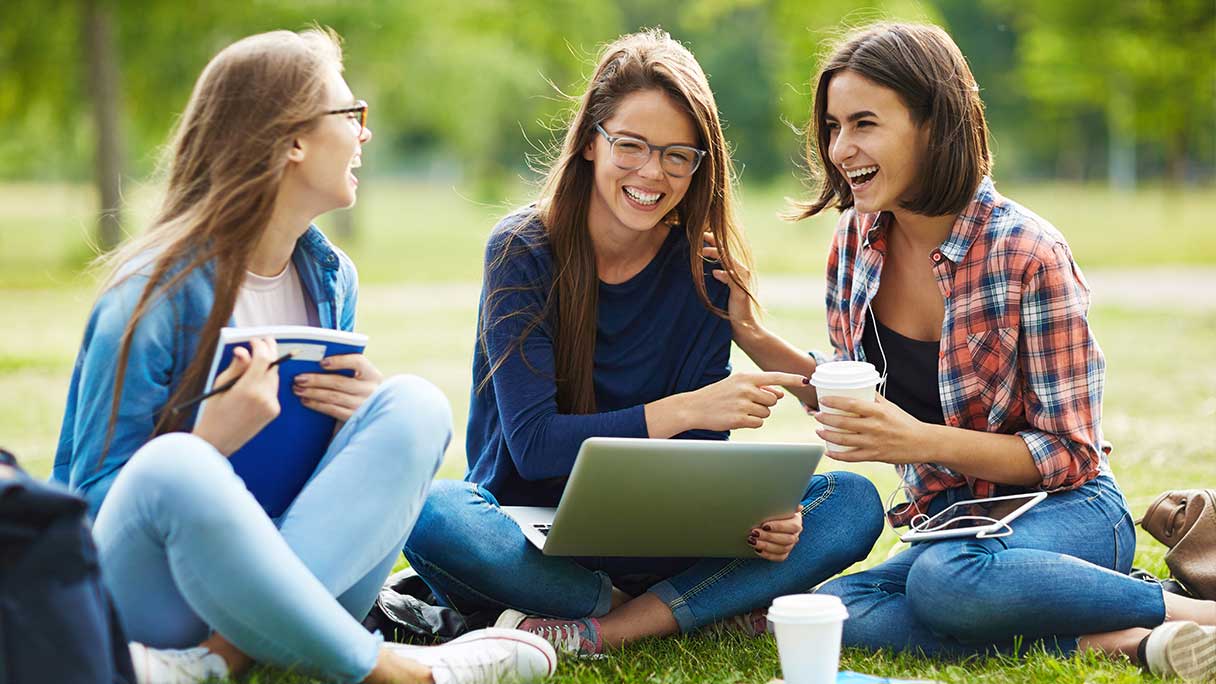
(226, 386)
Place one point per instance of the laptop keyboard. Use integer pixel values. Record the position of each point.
(543, 529)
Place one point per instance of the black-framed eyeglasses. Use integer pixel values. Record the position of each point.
(359, 107)
(631, 154)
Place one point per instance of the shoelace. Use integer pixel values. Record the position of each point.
(565, 636)
(752, 624)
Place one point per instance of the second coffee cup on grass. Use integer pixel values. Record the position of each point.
(853, 379)
(808, 629)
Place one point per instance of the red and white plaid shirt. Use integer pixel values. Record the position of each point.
(1016, 355)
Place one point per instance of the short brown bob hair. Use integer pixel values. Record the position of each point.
(925, 68)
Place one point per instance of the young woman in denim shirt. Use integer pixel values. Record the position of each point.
(204, 581)
(994, 383)
(598, 318)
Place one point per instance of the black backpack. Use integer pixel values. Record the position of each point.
(407, 612)
(57, 623)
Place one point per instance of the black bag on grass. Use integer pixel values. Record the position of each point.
(405, 613)
(57, 623)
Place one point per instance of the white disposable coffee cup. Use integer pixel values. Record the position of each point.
(854, 379)
(808, 627)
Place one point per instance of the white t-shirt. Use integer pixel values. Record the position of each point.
(273, 300)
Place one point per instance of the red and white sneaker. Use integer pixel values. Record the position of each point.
(753, 624)
(580, 638)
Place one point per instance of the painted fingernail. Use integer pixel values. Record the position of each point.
(806, 380)
(756, 551)
(766, 528)
(325, 363)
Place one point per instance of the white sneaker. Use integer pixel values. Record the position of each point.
(174, 666)
(486, 656)
(1181, 649)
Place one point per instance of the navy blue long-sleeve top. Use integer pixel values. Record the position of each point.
(654, 338)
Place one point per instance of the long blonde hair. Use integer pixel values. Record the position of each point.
(647, 60)
(225, 167)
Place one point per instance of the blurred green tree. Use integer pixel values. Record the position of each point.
(477, 88)
(1147, 68)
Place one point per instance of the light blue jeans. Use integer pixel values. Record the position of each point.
(475, 557)
(186, 550)
(1061, 574)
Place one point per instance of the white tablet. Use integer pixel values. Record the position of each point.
(980, 518)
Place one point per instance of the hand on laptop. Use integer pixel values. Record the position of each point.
(774, 539)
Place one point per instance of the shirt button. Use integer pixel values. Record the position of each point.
(948, 292)
(952, 421)
(937, 257)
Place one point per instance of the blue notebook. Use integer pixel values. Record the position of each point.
(278, 461)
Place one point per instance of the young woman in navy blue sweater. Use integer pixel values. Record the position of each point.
(599, 317)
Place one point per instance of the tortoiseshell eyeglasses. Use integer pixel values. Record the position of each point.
(360, 108)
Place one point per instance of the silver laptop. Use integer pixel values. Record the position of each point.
(669, 497)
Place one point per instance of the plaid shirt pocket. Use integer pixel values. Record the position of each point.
(993, 357)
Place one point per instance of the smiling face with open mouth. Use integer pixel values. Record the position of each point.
(638, 200)
(874, 142)
(329, 153)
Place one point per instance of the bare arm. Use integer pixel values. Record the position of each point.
(769, 351)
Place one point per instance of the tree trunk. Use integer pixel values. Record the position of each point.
(1121, 139)
(103, 88)
(1178, 162)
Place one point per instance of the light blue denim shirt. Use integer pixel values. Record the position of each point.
(164, 343)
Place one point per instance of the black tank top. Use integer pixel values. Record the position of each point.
(912, 381)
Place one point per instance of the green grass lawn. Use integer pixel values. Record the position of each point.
(419, 252)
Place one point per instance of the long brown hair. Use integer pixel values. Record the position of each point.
(928, 72)
(225, 167)
(643, 61)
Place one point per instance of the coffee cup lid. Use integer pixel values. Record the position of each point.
(844, 375)
(807, 609)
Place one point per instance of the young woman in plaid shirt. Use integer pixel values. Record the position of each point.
(995, 378)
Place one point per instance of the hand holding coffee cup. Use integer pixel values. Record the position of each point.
(874, 429)
(852, 379)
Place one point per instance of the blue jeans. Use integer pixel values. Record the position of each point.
(186, 550)
(475, 557)
(1061, 574)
